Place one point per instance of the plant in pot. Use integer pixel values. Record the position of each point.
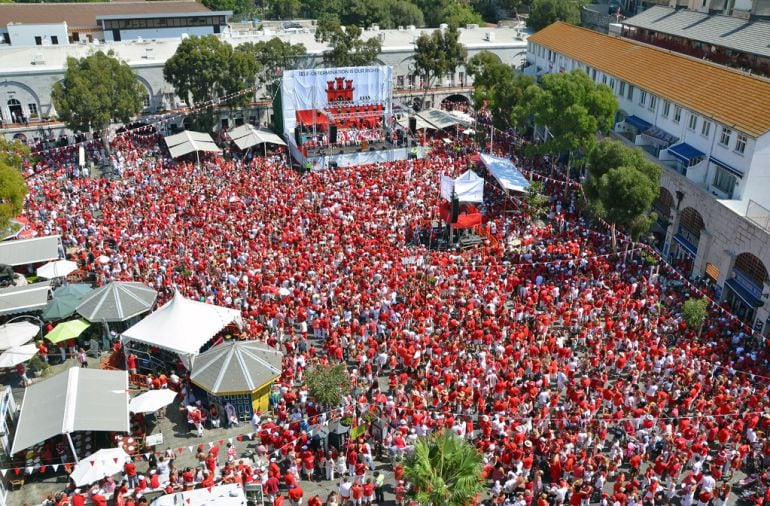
(39, 366)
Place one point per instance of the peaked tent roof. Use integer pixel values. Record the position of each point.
(690, 82)
(506, 173)
(189, 142)
(248, 135)
(117, 301)
(236, 367)
(77, 399)
(29, 251)
(182, 325)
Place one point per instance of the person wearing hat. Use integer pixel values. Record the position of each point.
(77, 499)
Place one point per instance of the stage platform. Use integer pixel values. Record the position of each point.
(325, 158)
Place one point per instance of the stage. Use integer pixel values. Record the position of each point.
(324, 158)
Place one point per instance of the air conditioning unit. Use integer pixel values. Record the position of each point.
(443, 26)
(472, 26)
(411, 28)
(400, 28)
(489, 36)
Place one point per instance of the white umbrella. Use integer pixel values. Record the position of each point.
(105, 462)
(57, 269)
(16, 334)
(469, 131)
(151, 401)
(284, 292)
(17, 355)
(103, 259)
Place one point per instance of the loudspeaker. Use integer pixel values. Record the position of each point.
(332, 165)
(333, 134)
(455, 210)
(297, 137)
(412, 125)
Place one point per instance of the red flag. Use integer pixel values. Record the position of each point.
(240, 437)
(17, 470)
(221, 442)
(115, 460)
(188, 500)
(180, 450)
(43, 468)
(92, 462)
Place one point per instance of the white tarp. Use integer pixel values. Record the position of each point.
(439, 119)
(420, 124)
(465, 118)
(506, 174)
(77, 399)
(29, 251)
(223, 495)
(182, 325)
(246, 136)
(189, 142)
(469, 187)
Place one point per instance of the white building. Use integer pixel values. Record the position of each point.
(709, 127)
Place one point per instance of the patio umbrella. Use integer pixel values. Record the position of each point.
(67, 330)
(59, 308)
(151, 401)
(17, 355)
(78, 290)
(117, 301)
(103, 463)
(56, 269)
(16, 334)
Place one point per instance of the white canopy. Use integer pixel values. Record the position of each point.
(17, 355)
(506, 173)
(223, 495)
(469, 187)
(19, 299)
(105, 462)
(182, 325)
(16, 334)
(56, 269)
(29, 251)
(151, 401)
(439, 119)
(77, 399)
(248, 135)
(464, 117)
(189, 142)
(420, 124)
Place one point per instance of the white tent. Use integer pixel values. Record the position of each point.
(105, 462)
(506, 173)
(77, 399)
(246, 136)
(190, 142)
(56, 269)
(469, 187)
(465, 118)
(182, 325)
(420, 124)
(151, 401)
(439, 119)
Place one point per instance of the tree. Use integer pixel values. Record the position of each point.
(97, 90)
(694, 312)
(444, 470)
(347, 49)
(13, 188)
(499, 88)
(437, 55)
(273, 56)
(328, 384)
(458, 14)
(285, 9)
(241, 8)
(405, 13)
(544, 12)
(536, 199)
(573, 108)
(608, 154)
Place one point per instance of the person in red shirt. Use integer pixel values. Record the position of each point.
(208, 480)
(315, 501)
(130, 469)
(77, 498)
(368, 492)
(356, 493)
(98, 499)
(295, 495)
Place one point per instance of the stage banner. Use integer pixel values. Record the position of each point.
(317, 89)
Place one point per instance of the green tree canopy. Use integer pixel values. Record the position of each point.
(437, 55)
(500, 88)
(347, 49)
(573, 108)
(205, 68)
(608, 154)
(285, 9)
(13, 188)
(273, 56)
(96, 91)
(404, 13)
(240, 8)
(328, 384)
(456, 12)
(544, 12)
(444, 469)
(694, 312)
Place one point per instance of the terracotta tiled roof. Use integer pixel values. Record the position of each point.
(83, 15)
(728, 96)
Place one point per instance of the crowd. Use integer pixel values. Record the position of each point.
(568, 366)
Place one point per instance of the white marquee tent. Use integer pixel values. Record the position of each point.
(469, 187)
(182, 326)
(246, 136)
(75, 400)
(506, 173)
(190, 142)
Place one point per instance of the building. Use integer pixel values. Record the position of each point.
(709, 127)
(27, 74)
(744, 9)
(726, 40)
(65, 23)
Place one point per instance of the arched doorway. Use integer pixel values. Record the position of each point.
(685, 246)
(17, 113)
(20, 137)
(456, 102)
(743, 289)
(662, 207)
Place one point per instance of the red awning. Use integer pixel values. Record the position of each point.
(306, 117)
(469, 216)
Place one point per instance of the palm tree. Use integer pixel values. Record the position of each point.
(444, 470)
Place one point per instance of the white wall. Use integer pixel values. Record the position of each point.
(24, 35)
(160, 33)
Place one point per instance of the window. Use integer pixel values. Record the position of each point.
(612, 83)
(705, 129)
(693, 122)
(666, 108)
(653, 102)
(724, 138)
(643, 97)
(724, 182)
(38, 41)
(622, 91)
(630, 92)
(740, 143)
(54, 40)
(677, 114)
(32, 110)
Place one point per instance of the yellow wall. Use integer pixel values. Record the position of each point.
(260, 399)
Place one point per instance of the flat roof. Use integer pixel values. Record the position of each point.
(29, 251)
(730, 97)
(752, 37)
(78, 15)
(164, 15)
(22, 299)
